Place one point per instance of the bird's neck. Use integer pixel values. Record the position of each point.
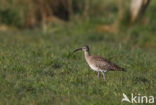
(87, 54)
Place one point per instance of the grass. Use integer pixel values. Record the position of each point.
(39, 69)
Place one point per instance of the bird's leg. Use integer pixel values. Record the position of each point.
(103, 75)
(98, 74)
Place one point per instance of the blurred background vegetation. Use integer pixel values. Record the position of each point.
(34, 13)
(31, 13)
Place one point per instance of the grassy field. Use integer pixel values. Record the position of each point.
(39, 69)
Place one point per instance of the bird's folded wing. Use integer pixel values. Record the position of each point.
(104, 64)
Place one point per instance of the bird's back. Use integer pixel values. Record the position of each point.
(104, 64)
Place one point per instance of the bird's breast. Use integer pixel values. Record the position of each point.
(93, 67)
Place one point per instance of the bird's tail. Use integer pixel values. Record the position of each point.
(122, 69)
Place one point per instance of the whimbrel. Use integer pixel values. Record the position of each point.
(99, 64)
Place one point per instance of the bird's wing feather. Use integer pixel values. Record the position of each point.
(104, 64)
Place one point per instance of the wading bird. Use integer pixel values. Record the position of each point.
(97, 63)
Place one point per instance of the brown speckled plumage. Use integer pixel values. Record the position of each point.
(104, 64)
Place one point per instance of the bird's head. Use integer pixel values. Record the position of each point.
(84, 48)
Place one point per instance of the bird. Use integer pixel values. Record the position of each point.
(97, 63)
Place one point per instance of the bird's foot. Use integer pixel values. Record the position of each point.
(98, 75)
(104, 76)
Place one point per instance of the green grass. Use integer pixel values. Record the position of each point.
(39, 69)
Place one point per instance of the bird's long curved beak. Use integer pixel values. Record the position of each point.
(77, 50)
